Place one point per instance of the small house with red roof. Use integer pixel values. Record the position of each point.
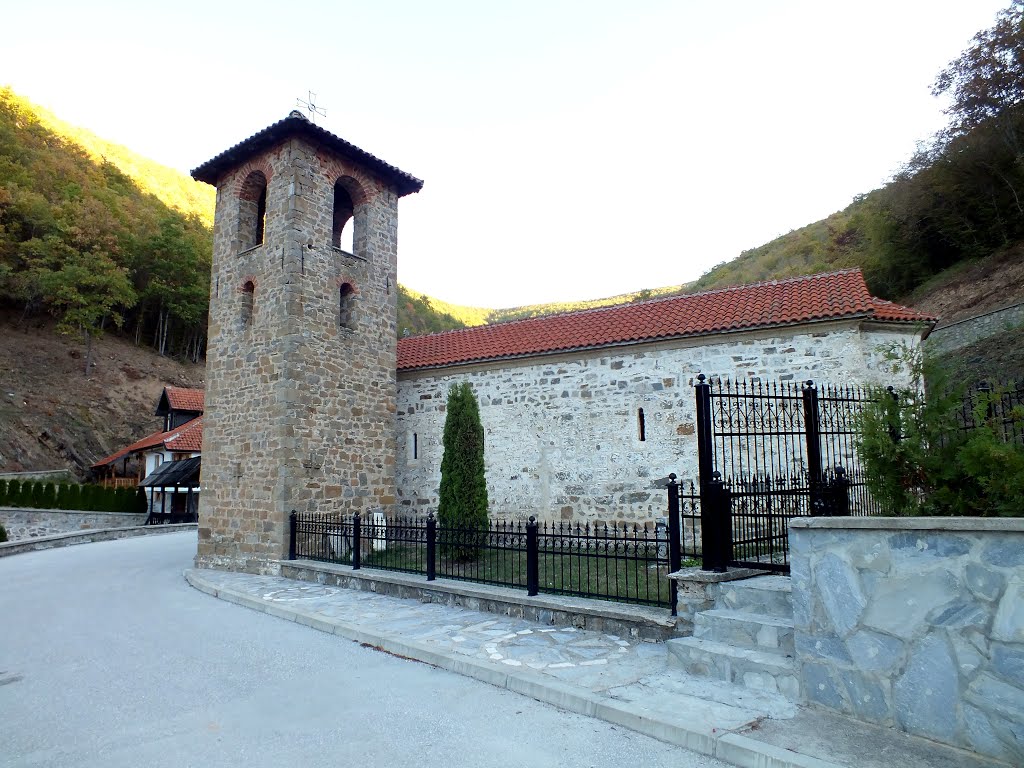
(586, 413)
(167, 462)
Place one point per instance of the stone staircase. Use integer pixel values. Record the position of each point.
(746, 638)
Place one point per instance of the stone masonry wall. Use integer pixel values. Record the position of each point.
(299, 408)
(32, 523)
(964, 332)
(915, 623)
(562, 432)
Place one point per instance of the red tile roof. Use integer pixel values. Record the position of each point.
(828, 296)
(182, 399)
(188, 438)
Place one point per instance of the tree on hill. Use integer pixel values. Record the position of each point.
(83, 292)
(463, 493)
(986, 81)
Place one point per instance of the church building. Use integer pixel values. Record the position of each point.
(314, 405)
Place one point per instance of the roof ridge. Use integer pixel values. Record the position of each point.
(659, 299)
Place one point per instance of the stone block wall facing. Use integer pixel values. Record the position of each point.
(300, 380)
(32, 523)
(915, 623)
(562, 433)
(947, 338)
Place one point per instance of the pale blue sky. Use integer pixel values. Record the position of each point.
(570, 149)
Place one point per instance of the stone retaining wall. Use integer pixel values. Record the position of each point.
(915, 623)
(964, 332)
(8, 548)
(33, 523)
(638, 622)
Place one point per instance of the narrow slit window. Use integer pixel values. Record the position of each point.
(641, 425)
(346, 310)
(248, 300)
(415, 445)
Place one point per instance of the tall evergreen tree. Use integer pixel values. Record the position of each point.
(463, 493)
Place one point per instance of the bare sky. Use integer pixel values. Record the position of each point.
(570, 149)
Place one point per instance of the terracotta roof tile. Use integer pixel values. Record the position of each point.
(828, 296)
(186, 438)
(183, 399)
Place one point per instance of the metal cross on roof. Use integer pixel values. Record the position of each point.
(311, 107)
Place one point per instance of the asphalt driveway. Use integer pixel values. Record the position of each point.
(108, 658)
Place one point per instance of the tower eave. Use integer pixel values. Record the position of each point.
(295, 124)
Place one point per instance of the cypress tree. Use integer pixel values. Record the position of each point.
(3, 493)
(141, 501)
(74, 499)
(462, 500)
(49, 497)
(13, 493)
(125, 499)
(36, 496)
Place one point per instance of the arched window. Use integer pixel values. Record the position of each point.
(252, 210)
(343, 225)
(248, 296)
(346, 308)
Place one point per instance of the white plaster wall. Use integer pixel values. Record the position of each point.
(561, 432)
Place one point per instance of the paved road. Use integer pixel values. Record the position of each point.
(108, 658)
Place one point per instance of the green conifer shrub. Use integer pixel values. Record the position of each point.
(74, 499)
(141, 501)
(3, 493)
(36, 496)
(462, 505)
(49, 498)
(13, 493)
(3, 534)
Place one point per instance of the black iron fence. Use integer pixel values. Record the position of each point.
(624, 562)
(768, 453)
(998, 407)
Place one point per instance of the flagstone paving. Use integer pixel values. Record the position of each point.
(624, 680)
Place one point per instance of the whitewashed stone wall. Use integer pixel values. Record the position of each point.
(562, 432)
(915, 623)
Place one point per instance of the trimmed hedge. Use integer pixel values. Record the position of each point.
(88, 498)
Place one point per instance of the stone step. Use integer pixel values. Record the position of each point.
(757, 670)
(742, 629)
(764, 595)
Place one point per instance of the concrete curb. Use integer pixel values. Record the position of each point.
(21, 546)
(732, 747)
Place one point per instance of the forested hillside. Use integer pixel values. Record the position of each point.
(95, 247)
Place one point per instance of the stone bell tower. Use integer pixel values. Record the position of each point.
(300, 366)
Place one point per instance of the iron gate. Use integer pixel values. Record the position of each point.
(768, 453)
